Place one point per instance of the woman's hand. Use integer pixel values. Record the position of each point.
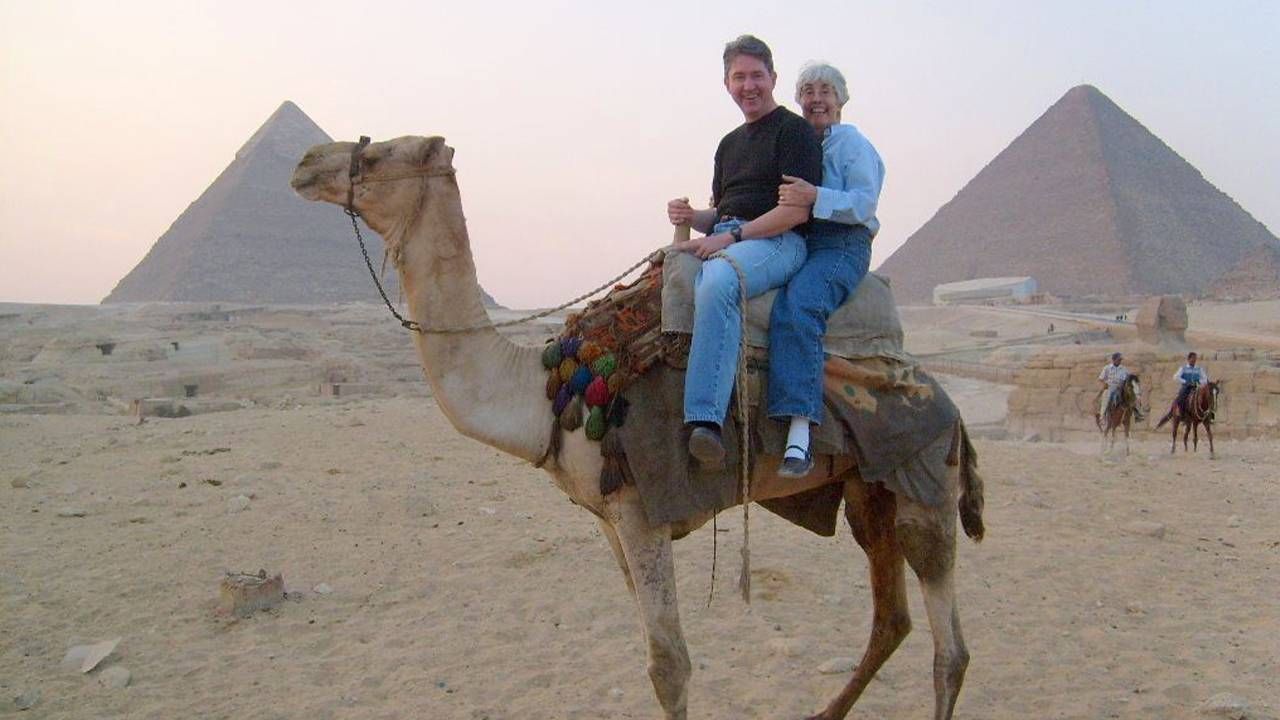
(796, 192)
(705, 247)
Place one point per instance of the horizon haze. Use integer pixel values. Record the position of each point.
(573, 124)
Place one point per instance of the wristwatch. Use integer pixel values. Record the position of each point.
(736, 232)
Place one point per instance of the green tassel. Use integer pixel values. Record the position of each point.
(595, 423)
(551, 355)
(604, 365)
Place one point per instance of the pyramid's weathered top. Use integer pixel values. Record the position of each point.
(287, 132)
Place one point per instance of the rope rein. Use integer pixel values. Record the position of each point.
(744, 423)
(355, 177)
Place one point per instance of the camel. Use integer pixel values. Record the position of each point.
(492, 390)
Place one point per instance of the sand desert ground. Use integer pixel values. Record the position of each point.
(432, 577)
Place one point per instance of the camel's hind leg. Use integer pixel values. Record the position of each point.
(647, 551)
(928, 540)
(870, 511)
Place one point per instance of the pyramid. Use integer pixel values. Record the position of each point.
(248, 238)
(1088, 202)
(1255, 277)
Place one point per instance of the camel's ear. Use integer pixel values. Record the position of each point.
(433, 149)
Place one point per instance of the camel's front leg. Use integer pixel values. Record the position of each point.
(648, 555)
(1208, 431)
(616, 546)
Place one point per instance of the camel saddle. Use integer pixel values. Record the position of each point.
(866, 326)
(879, 407)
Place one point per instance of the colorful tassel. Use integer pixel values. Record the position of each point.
(597, 393)
(571, 418)
(553, 384)
(563, 396)
(569, 347)
(596, 425)
(580, 380)
(611, 475)
(551, 355)
(604, 365)
(589, 352)
(616, 381)
(568, 367)
(617, 414)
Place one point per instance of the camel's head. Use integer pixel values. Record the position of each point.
(385, 184)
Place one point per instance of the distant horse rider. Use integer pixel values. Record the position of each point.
(1112, 380)
(1191, 377)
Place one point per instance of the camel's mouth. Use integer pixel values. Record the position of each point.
(305, 183)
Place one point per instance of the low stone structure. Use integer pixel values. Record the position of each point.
(1056, 391)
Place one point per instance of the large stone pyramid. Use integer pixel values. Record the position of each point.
(1088, 202)
(249, 238)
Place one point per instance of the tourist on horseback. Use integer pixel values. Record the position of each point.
(839, 254)
(1191, 377)
(1112, 379)
(746, 223)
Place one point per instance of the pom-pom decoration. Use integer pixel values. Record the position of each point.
(616, 381)
(569, 347)
(595, 424)
(551, 356)
(597, 393)
(589, 352)
(563, 396)
(568, 367)
(580, 380)
(604, 365)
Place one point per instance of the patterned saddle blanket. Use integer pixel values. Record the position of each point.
(615, 360)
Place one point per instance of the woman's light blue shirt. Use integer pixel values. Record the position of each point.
(852, 175)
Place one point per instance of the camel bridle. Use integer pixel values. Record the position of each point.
(355, 177)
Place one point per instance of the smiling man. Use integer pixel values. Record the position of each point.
(746, 223)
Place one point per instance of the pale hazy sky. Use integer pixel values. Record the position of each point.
(574, 122)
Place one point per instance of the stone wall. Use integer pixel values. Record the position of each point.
(1055, 391)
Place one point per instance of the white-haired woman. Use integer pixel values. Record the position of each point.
(839, 254)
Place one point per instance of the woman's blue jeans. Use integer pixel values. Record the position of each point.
(717, 323)
(837, 262)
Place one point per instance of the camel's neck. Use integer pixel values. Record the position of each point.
(490, 388)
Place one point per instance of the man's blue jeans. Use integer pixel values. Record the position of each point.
(837, 262)
(717, 323)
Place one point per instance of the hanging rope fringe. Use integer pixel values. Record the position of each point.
(744, 428)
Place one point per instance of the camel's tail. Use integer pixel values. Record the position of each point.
(1167, 417)
(971, 500)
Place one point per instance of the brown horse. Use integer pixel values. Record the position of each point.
(1201, 408)
(1121, 412)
